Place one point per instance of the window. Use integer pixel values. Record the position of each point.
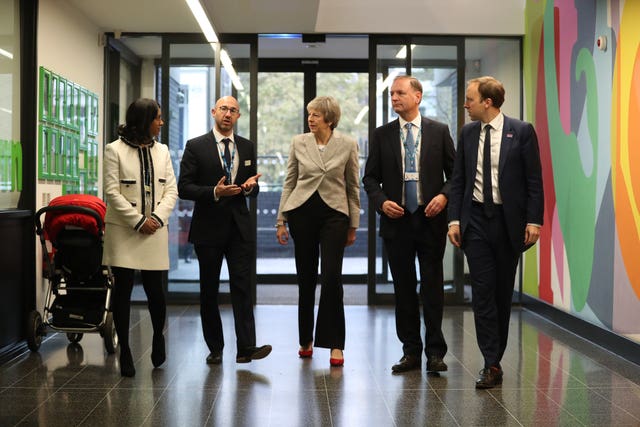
(10, 144)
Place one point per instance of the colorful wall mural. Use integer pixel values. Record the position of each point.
(582, 91)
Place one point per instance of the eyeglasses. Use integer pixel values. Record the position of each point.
(226, 109)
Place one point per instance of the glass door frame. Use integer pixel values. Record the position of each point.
(373, 277)
(241, 65)
(310, 68)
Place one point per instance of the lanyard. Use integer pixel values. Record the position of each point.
(418, 138)
(227, 167)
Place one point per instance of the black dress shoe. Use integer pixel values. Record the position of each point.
(253, 353)
(436, 364)
(489, 378)
(407, 363)
(214, 358)
(158, 353)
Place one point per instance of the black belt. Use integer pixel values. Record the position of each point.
(481, 205)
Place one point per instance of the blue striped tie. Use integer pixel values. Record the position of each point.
(410, 186)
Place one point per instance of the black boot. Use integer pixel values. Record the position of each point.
(126, 363)
(158, 354)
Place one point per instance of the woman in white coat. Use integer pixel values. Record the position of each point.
(140, 189)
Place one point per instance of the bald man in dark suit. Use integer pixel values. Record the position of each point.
(218, 172)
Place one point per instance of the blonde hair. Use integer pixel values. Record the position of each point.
(328, 107)
(413, 82)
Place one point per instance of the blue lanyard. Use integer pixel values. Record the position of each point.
(403, 140)
(227, 167)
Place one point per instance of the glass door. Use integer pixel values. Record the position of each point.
(284, 89)
(280, 106)
(351, 91)
(439, 65)
(191, 79)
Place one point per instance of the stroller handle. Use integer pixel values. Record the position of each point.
(71, 209)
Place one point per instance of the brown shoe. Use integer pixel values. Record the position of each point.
(214, 358)
(436, 364)
(407, 363)
(489, 378)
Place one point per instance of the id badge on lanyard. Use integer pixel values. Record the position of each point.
(411, 176)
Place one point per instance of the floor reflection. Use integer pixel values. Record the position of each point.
(551, 378)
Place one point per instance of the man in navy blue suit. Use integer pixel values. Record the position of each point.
(496, 207)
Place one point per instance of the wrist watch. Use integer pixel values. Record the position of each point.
(280, 224)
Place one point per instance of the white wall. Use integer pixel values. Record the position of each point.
(460, 17)
(68, 45)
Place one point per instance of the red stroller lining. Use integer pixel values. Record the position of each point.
(55, 221)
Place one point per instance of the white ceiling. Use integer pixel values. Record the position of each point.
(345, 17)
(493, 17)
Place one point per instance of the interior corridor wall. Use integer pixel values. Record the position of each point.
(582, 80)
(68, 45)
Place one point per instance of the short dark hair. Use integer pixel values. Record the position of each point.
(140, 114)
(491, 88)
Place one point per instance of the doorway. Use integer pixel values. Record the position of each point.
(284, 89)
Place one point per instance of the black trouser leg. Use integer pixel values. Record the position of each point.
(238, 256)
(330, 327)
(402, 263)
(305, 234)
(210, 263)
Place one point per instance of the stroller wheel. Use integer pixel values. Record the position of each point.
(35, 330)
(74, 337)
(109, 334)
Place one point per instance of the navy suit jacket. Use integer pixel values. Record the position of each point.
(519, 178)
(384, 178)
(200, 171)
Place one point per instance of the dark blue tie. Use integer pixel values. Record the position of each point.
(410, 186)
(227, 159)
(487, 190)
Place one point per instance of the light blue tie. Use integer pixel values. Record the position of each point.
(410, 187)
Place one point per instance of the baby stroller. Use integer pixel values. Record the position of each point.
(78, 298)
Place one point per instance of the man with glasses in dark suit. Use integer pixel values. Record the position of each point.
(218, 172)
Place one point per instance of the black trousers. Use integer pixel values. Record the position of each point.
(238, 255)
(416, 237)
(121, 303)
(319, 231)
(492, 267)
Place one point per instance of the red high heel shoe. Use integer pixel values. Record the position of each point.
(334, 361)
(305, 354)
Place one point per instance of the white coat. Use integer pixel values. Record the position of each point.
(124, 191)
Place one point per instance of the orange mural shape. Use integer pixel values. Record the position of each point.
(626, 141)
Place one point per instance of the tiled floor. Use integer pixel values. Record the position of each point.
(551, 378)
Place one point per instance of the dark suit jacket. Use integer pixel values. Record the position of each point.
(519, 178)
(384, 177)
(200, 171)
